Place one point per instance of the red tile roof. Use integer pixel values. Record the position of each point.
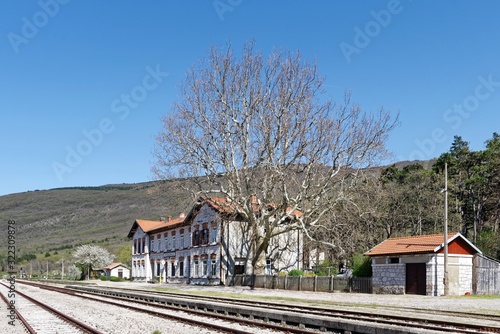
(151, 225)
(148, 225)
(226, 206)
(414, 245)
(220, 204)
(113, 265)
(154, 225)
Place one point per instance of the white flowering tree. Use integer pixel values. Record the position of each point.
(92, 256)
(73, 272)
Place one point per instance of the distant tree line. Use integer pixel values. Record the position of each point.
(393, 202)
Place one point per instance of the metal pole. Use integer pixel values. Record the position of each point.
(445, 277)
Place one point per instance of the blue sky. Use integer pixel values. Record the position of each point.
(84, 83)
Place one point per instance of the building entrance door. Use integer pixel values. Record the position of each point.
(415, 278)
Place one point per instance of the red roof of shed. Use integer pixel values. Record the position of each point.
(424, 244)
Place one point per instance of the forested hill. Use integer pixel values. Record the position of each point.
(57, 219)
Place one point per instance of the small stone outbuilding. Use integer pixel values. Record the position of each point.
(118, 270)
(415, 265)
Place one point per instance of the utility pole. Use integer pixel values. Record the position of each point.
(445, 274)
(62, 270)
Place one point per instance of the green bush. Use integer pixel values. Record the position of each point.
(114, 279)
(326, 268)
(361, 266)
(295, 272)
(102, 278)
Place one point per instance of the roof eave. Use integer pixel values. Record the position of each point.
(396, 254)
(133, 229)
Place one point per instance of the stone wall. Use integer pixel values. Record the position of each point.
(389, 278)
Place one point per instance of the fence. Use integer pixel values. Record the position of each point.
(304, 283)
(486, 276)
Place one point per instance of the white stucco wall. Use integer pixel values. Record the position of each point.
(142, 268)
(125, 272)
(459, 275)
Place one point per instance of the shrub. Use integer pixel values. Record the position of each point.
(102, 278)
(114, 279)
(361, 266)
(326, 268)
(296, 272)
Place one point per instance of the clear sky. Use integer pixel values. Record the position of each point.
(83, 84)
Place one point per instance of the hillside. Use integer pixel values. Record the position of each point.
(51, 220)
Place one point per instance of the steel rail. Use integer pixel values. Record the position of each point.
(70, 320)
(24, 322)
(312, 308)
(347, 314)
(446, 326)
(217, 327)
(410, 322)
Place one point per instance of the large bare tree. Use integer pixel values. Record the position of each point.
(247, 127)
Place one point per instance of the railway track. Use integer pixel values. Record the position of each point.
(325, 318)
(191, 317)
(331, 311)
(38, 317)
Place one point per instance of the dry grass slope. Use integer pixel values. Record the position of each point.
(55, 219)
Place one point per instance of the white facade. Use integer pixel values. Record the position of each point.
(140, 255)
(203, 249)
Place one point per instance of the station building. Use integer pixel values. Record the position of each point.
(206, 246)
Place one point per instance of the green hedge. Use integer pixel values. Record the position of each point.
(295, 272)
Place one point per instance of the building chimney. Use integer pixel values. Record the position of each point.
(182, 215)
(169, 218)
(162, 219)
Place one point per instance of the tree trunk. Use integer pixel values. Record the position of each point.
(259, 263)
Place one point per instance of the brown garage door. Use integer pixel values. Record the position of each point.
(415, 278)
